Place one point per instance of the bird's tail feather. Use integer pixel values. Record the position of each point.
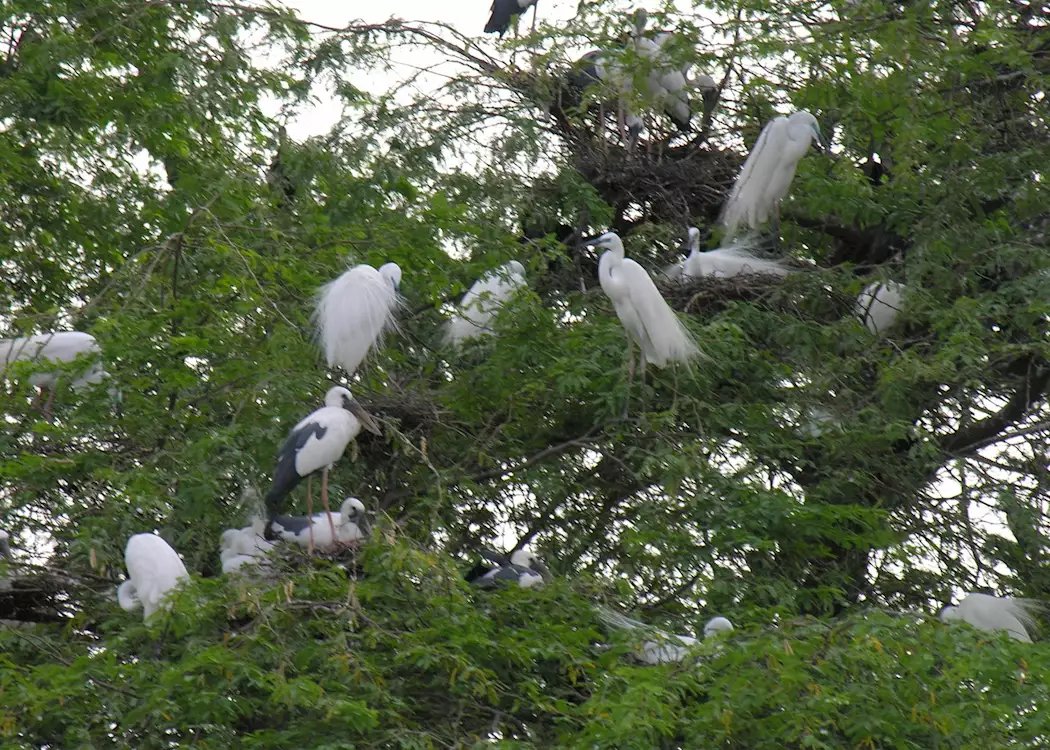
(614, 619)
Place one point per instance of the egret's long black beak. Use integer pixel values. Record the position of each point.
(366, 419)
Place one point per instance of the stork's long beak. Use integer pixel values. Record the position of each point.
(545, 574)
(493, 556)
(366, 419)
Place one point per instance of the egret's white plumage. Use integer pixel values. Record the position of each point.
(354, 311)
(154, 569)
(770, 167)
(317, 442)
(666, 648)
(733, 260)
(993, 613)
(61, 346)
(879, 304)
(350, 525)
(483, 301)
(717, 625)
(649, 321)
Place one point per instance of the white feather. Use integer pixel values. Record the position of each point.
(154, 569)
(666, 649)
(649, 320)
(354, 311)
(767, 174)
(483, 301)
(879, 304)
(61, 346)
(727, 262)
(993, 613)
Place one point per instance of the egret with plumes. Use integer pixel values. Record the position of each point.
(483, 301)
(726, 262)
(154, 569)
(766, 176)
(354, 311)
(879, 304)
(648, 319)
(60, 346)
(328, 530)
(317, 442)
(993, 613)
(506, 11)
(666, 648)
(521, 568)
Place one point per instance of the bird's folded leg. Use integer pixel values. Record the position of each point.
(310, 511)
(324, 502)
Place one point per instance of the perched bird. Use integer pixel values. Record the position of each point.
(5, 545)
(60, 346)
(878, 305)
(992, 613)
(317, 442)
(717, 625)
(767, 174)
(648, 319)
(668, 85)
(522, 568)
(734, 260)
(154, 569)
(354, 311)
(483, 301)
(243, 547)
(328, 530)
(604, 69)
(504, 11)
(666, 649)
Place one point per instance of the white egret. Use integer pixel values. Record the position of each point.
(328, 530)
(717, 625)
(734, 260)
(243, 547)
(879, 304)
(521, 568)
(154, 569)
(993, 613)
(666, 648)
(317, 442)
(354, 311)
(504, 12)
(59, 346)
(483, 301)
(767, 174)
(648, 319)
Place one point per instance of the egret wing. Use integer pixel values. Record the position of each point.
(352, 314)
(746, 201)
(668, 338)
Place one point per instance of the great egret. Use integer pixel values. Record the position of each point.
(767, 174)
(879, 304)
(154, 569)
(734, 260)
(483, 301)
(328, 530)
(504, 12)
(317, 442)
(667, 648)
(242, 547)
(717, 625)
(60, 346)
(648, 319)
(522, 568)
(354, 311)
(992, 613)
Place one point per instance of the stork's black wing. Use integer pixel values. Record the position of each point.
(285, 477)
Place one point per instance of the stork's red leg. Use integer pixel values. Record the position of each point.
(310, 510)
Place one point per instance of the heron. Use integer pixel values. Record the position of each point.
(154, 569)
(994, 613)
(58, 346)
(666, 648)
(733, 260)
(879, 304)
(604, 69)
(326, 531)
(242, 547)
(314, 444)
(506, 11)
(648, 319)
(354, 311)
(484, 299)
(766, 177)
(522, 568)
(668, 85)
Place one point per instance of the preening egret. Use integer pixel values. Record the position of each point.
(767, 174)
(154, 569)
(483, 301)
(354, 311)
(317, 442)
(648, 319)
(503, 13)
(522, 568)
(328, 530)
(878, 305)
(992, 613)
(734, 260)
(60, 346)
